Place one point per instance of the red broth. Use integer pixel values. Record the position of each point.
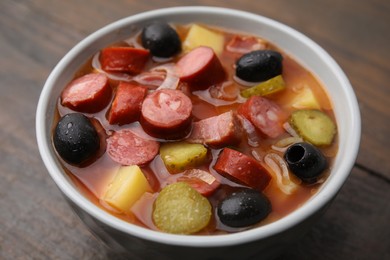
(93, 179)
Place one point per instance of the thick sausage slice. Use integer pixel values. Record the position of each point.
(200, 180)
(127, 148)
(126, 107)
(89, 93)
(166, 113)
(242, 169)
(216, 131)
(201, 68)
(264, 114)
(123, 59)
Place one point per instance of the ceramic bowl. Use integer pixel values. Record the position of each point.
(264, 242)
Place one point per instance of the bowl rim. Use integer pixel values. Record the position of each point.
(327, 192)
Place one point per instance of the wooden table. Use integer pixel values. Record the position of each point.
(36, 222)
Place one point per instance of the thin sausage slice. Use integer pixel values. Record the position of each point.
(166, 113)
(264, 114)
(216, 131)
(245, 44)
(123, 59)
(127, 148)
(201, 68)
(126, 107)
(89, 93)
(242, 169)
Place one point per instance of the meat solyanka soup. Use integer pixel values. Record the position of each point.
(190, 129)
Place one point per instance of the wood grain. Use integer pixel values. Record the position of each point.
(36, 222)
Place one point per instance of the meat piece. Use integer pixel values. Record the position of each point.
(201, 68)
(242, 169)
(200, 180)
(124, 59)
(126, 107)
(245, 44)
(264, 114)
(127, 148)
(166, 113)
(216, 131)
(89, 93)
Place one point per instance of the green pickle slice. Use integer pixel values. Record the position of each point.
(265, 88)
(313, 126)
(180, 209)
(179, 156)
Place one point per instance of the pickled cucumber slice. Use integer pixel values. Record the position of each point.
(265, 88)
(180, 209)
(180, 156)
(313, 126)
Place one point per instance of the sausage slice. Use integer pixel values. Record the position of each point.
(166, 113)
(89, 93)
(264, 114)
(242, 169)
(126, 107)
(127, 148)
(124, 59)
(201, 68)
(216, 131)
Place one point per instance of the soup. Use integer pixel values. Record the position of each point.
(191, 129)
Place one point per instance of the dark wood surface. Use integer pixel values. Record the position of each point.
(36, 222)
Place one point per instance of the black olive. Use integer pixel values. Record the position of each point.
(75, 138)
(243, 208)
(259, 65)
(305, 161)
(161, 39)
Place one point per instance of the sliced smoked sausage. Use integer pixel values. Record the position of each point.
(89, 93)
(242, 169)
(216, 131)
(127, 148)
(124, 59)
(126, 107)
(201, 68)
(166, 113)
(265, 115)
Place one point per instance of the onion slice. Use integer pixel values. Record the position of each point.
(172, 79)
(250, 130)
(283, 144)
(284, 179)
(133, 42)
(289, 129)
(244, 82)
(153, 78)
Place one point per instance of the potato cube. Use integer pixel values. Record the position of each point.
(305, 99)
(128, 186)
(200, 36)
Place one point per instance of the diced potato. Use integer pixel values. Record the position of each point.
(128, 186)
(200, 36)
(180, 156)
(305, 100)
(265, 88)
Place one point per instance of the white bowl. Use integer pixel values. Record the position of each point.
(266, 241)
